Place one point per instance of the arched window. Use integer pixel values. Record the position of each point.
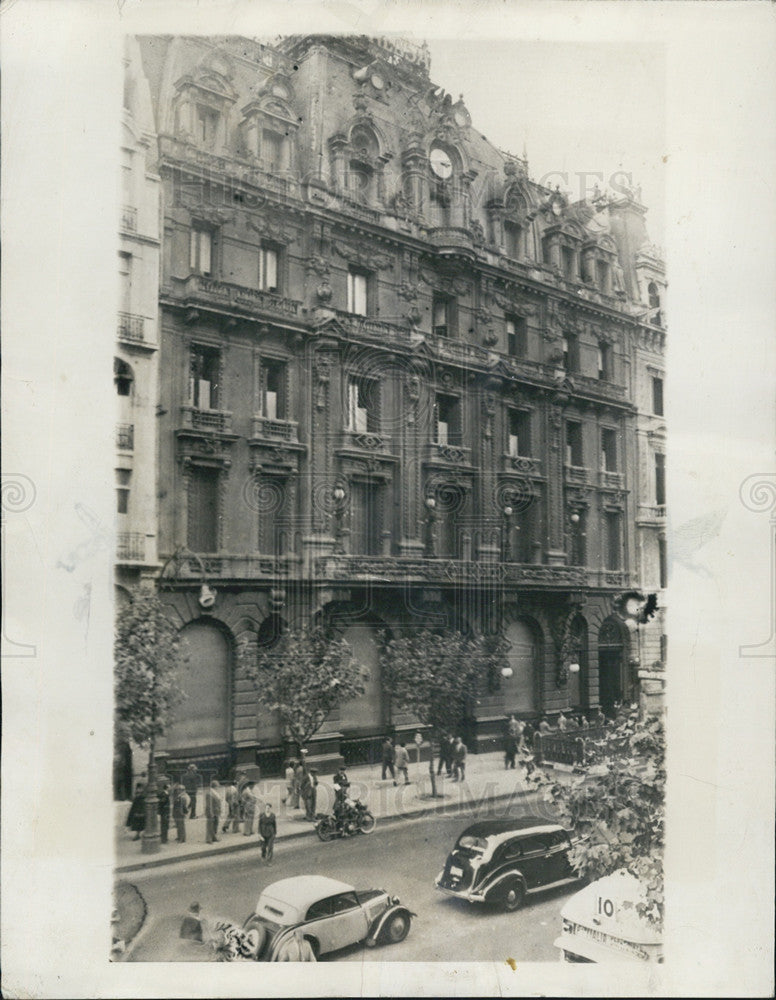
(204, 718)
(612, 660)
(655, 316)
(123, 377)
(361, 173)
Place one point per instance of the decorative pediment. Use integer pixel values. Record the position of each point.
(363, 255)
(210, 84)
(270, 226)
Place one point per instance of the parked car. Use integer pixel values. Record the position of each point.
(501, 861)
(600, 923)
(327, 913)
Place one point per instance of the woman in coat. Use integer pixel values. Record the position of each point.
(249, 804)
(136, 815)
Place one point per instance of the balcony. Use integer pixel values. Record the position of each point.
(577, 475)
(451, 454)
(521, 463)
(366, 441)
(611, 480)
(600, 388)
(276, 430)
(458, 350)
(652, 515)
(128, 219)
(131, 328)
(452, 240)
(240, 567)
(197, 292)
(130, 546)
(367, 328)
(125, 437)
(214, 421)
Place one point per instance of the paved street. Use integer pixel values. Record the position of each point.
(402, 858)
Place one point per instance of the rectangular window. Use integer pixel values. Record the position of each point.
(363, 406)
(517, 346)
(273, 531)
(272, 150)
(448, 419)
(519, 433)
(125, 278)
(657, 396)
(204, 370)
(202, 535)
(663, 560)
(571, 352)
(365, 499)
(273, 390)
(612, 525)
(206, 122)
(569, 261)
(123, 480)
(358, 288)
(201, 251)
(604, 362)
(604, 273)
(443, 316)
(524, 533)
(269, 259)
(608, 450)
(660, 480)
(574, 443)
(513, 240)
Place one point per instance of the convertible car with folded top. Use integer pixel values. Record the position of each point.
(325, 913)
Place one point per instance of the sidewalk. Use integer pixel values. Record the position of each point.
(487, 782)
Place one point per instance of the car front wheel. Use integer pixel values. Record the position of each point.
(397, 928)
(512, 895)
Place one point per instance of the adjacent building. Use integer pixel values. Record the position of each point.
(397, 382)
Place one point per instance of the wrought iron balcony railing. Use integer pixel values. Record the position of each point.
(130, 546)
(125, 437)
(131, 327)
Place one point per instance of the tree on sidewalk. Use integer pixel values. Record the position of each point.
(147, 662)
(303, 676)
(435, 676)
(618, 806)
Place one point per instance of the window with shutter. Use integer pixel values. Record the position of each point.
(203, 510)
(366, 517)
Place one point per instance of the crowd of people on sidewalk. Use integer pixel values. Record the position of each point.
(227, 808)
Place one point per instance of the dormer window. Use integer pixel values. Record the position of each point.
(569, 263)
(513, 239)
(272, 151)
(655, 316)
(267, 133)
(206, 124)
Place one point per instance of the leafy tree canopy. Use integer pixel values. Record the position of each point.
(304, 676)
(147, 658)
(618, 806)
(435, 675)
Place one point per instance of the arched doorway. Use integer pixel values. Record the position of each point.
(612, 663)
(204, 718)
(579, 687)
(519, 690)
(367, 711)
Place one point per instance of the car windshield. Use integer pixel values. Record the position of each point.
(469, 843)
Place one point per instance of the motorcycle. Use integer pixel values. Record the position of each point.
(352, 819)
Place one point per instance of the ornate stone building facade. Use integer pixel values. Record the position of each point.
(400, 383)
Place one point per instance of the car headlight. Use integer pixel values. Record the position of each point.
(395, 900)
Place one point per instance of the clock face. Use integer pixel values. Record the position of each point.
(377, 81)
(440, 163)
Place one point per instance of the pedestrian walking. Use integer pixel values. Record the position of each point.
(191, 782)
(164, 812)
(513, 727)
(181, 803)
(297, 785)
(249, 805)
(213, 808)
(446, 754)
(232, 799)
(309, 793)
(136, 814)
(459, 759)
(389, 757)
(289, 799)
(403, 762)
(268, 829)
(510, 751)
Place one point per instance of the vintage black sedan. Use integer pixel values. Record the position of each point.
(326, 914)
(501, 861)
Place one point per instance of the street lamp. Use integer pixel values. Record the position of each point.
(506, 673)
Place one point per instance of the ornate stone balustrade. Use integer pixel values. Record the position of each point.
(277, 430)
(216, 421)
(200, 292)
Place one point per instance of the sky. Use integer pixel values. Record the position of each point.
(575, 108)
